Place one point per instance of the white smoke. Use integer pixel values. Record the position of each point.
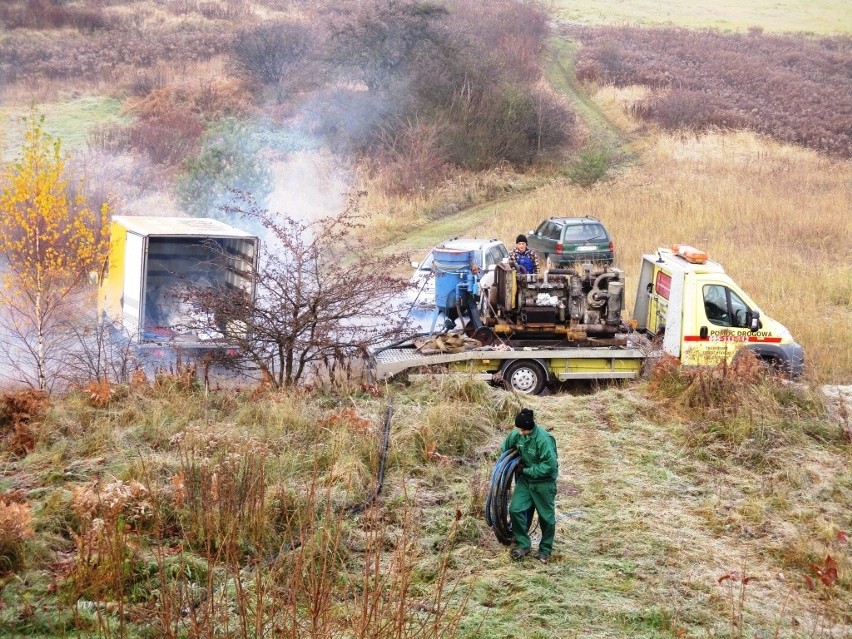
(308, 185)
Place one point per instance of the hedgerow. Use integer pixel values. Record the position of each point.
(794, 88)
(108, 57)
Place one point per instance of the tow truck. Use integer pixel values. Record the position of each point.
(526, 330)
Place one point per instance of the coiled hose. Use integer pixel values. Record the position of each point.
(499, 493)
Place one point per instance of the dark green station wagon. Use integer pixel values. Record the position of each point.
(572, 240)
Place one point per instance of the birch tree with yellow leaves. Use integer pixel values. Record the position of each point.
(50, 241)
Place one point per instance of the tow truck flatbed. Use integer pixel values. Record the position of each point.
(598, 362)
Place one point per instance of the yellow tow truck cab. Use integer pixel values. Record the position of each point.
(703, 317)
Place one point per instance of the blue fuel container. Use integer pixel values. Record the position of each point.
(452, 269)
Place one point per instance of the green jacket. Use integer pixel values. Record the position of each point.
(538, 452)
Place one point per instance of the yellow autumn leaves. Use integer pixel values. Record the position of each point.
(50, 239)
(49, 236)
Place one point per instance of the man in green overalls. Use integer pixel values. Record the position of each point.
(535, 484)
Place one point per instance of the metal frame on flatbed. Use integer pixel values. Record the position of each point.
(616, 362)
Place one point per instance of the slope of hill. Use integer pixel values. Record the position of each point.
(818, 16)
(687, 507)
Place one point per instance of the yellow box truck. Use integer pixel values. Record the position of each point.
(153, 261)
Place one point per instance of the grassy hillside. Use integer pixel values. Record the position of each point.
(711, 504)
(686, 508)
(819, 16)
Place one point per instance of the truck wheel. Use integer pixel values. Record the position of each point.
(525, 377)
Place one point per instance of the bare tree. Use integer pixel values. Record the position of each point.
(97, 350)
(277, 54)
(384, 40)
(322, 297)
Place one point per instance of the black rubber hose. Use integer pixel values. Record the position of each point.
(499, 494)
(383, 455)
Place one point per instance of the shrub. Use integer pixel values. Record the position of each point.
(590, 167)
(18, 412)
(279, 54)
(110, 55)
(15, 529)
(465, 74)
(221, 488)
(742, 409)
(209, 100)
(688, 109)
(228, 160)
(212, 9)
(46, 14)
(411, 160)
(107, 560)
(166, 139)
(505, 123)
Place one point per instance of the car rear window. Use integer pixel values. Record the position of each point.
(584, 233)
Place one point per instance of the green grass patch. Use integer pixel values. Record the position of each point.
(602, 134)
(70, 121)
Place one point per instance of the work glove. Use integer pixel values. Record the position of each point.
(519, 469)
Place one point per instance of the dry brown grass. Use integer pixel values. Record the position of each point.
(776, 216)
(394, 216)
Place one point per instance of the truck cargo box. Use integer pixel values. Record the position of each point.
(153, 261)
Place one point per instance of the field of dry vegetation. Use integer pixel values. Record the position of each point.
(691, 504)
(714, 505)
(777, 217)
(792, 88)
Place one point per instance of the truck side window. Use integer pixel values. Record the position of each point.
(716, 305)
(724, 307)
(738, 310)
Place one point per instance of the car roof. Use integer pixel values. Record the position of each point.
(466, 244)
(574, 220)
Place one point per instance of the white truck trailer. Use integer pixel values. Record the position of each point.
(153, 261)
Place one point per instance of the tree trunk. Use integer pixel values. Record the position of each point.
(39, 318)
(40, 363)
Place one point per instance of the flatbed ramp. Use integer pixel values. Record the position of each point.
(616, 362)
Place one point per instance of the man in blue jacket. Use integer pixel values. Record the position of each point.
(535, 484)
(523, 256)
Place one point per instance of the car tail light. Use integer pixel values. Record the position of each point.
(559, 247)
(612, 247)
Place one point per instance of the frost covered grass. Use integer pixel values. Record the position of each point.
(169, 507)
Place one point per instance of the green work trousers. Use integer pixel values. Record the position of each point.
(540, 496)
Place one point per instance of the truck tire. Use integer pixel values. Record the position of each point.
(524, 376)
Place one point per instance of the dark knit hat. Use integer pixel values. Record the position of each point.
(524, 419)
(521, 238)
